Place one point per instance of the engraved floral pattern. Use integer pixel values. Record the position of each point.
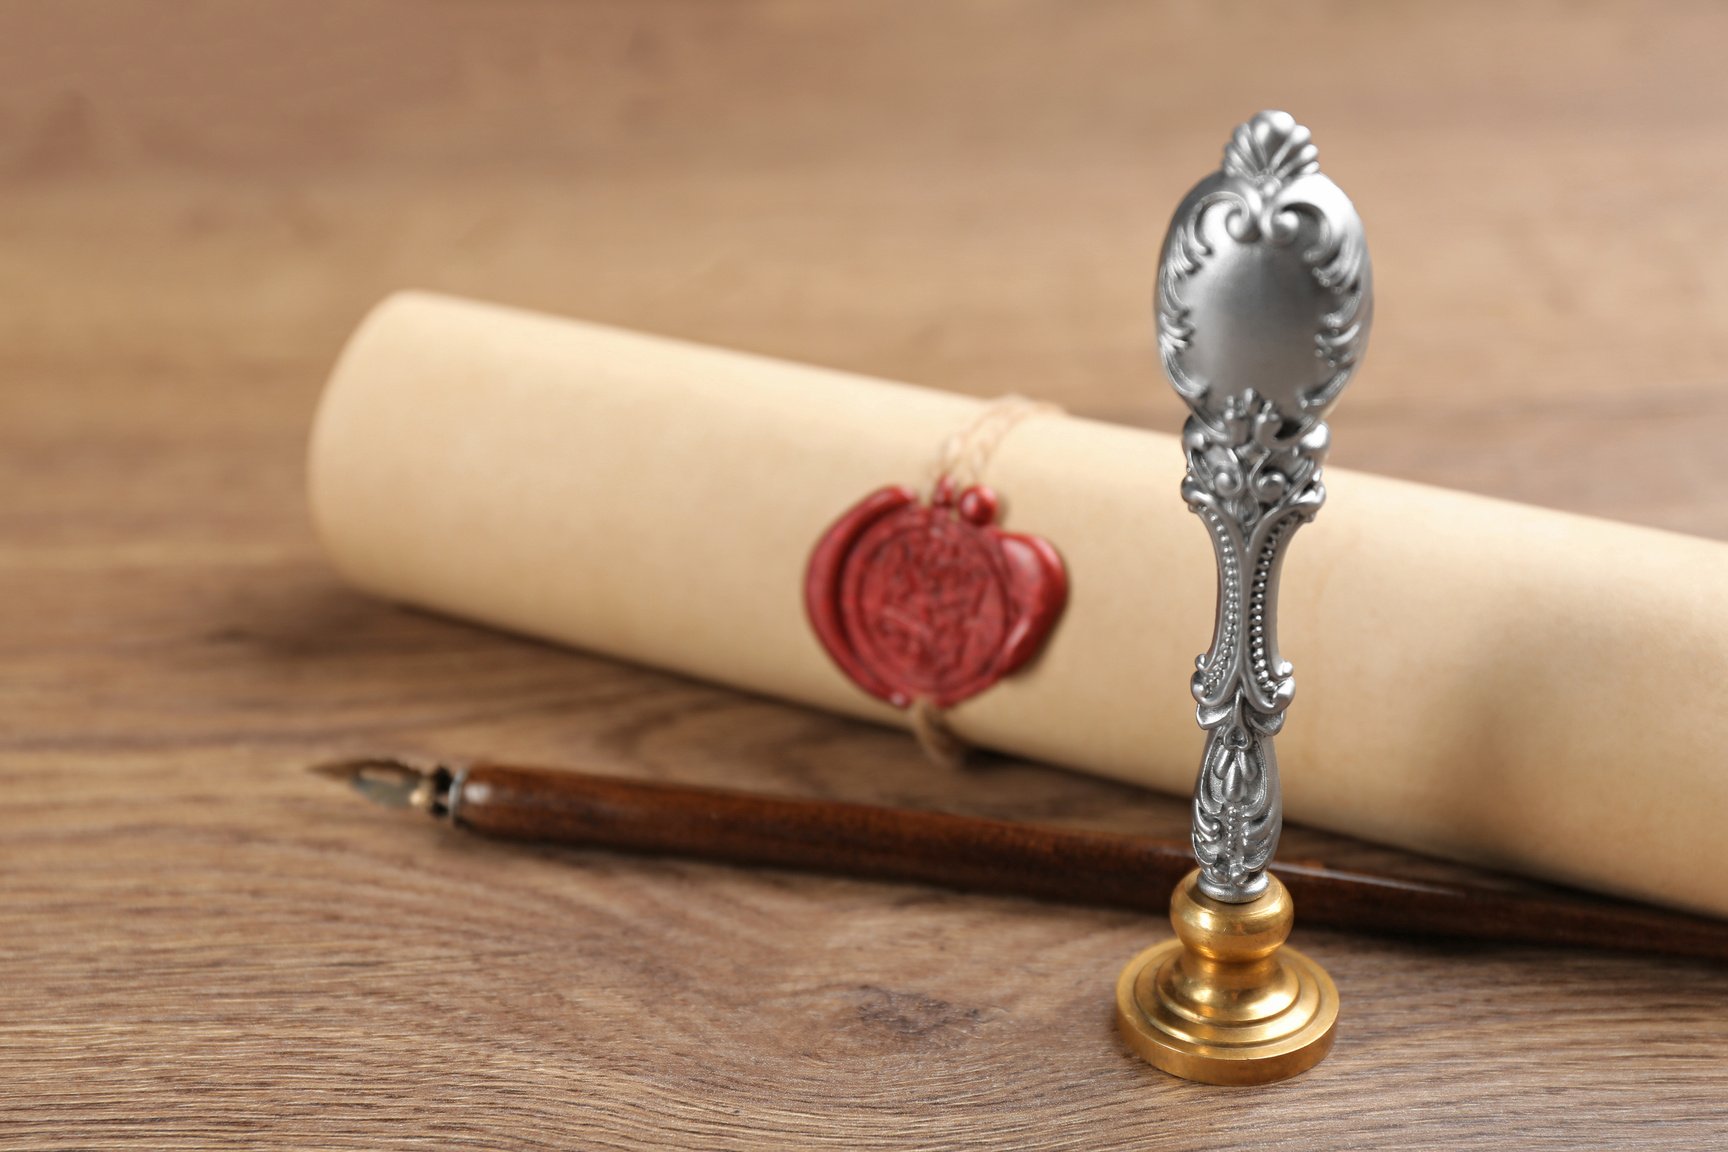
(1253, 484)
(1255, 446)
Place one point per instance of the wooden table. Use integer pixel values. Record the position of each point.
(201, 945)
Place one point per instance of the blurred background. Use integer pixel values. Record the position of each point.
(201, 198)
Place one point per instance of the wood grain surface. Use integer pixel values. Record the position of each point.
(203, 946)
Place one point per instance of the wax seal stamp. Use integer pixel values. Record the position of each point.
(1264, 303)
(931, 601)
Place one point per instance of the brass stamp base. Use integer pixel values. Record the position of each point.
(1225, 1002)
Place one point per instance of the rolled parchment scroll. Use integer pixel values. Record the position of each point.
(1501, 684)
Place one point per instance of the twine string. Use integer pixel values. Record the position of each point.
(961, 464)
(966, 453)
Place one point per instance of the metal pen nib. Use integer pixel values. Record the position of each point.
(392, 782)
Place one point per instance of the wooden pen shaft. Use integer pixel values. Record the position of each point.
(858, 840)
(1398, 907)
(1070, 865)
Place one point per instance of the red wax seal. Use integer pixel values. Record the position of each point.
(931, 601)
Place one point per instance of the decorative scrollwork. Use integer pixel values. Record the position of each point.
(1264, 306)
(1269, 195)
(1253, 485)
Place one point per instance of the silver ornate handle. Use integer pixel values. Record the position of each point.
(1264, 304)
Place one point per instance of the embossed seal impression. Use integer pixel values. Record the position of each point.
(933, 602)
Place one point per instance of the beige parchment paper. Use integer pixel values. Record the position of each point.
(1501, 684)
